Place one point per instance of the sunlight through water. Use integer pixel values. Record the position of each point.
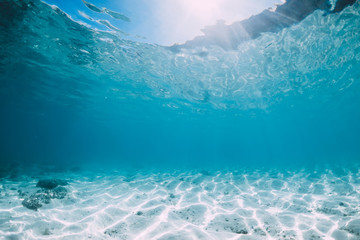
(246, 128)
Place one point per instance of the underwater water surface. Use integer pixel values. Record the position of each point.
(257, 142)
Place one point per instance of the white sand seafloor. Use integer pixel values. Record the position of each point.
(187, 205)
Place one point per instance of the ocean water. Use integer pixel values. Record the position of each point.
(259, 142)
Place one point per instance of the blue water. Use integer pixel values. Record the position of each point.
(105, 135)
(71, 95)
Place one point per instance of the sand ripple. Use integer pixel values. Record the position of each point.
(188, 205)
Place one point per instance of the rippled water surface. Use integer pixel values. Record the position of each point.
(152, 142)
(70, 93)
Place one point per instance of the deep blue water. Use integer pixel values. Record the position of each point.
(72, 95)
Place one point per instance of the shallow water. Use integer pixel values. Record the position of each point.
(151, 204)
(273, 124)
(70, 93)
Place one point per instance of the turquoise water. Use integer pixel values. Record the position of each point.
(74, 95)
(105, 135)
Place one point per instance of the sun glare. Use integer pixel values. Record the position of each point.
(202, 9)
(178, 21)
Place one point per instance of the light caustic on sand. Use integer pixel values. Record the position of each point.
(188, 205)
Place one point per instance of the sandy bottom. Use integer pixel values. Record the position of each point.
(187, 205)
